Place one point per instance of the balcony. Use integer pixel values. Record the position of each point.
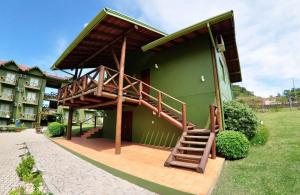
(30, 101)
(7, 97)
(5, 114)
(7, 80)
(28, 117)
(32, 85)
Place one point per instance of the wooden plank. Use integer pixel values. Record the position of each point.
(205, 154)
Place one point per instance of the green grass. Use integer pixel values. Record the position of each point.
(273, 168)
(261, 136)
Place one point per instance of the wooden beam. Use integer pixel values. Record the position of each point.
(99, 105)
(116, 59)
(105, 47)
(120, 99)
(69, 127)
(217, 86)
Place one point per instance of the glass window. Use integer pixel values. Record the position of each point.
(10, 77)
(34, 82)
(31, 96)
(7, 91)
(3, 122)
(4, 107)
(29, 110)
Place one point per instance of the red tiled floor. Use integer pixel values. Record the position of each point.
(147, 163)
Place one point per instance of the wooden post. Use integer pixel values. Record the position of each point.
(159, 103)
(80, 130)
(69, 127)
(213, 130)
(120, 99)
(141, 94)
(184, 117)
(100, 81)
(95, 122)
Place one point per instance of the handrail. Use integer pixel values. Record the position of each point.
(134, 87)
(211, 143)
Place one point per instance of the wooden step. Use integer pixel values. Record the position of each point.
(188, 156)
(203, 131)
(196, 137)
(193, 142)
(184, 164)
(191, 149)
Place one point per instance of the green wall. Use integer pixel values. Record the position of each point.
(179, 74)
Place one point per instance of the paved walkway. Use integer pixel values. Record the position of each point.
(63, 172)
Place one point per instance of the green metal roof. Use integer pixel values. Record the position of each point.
(96, 20)
(187, 30)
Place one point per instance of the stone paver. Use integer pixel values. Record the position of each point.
(11, 146)
(63, 172)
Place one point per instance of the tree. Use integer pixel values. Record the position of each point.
(241, 91)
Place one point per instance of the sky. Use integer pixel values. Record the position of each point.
(35, 32)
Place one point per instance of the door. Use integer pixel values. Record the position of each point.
(127, 126)
(145, 77)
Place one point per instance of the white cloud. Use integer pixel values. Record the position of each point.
(267, 34)
(85, 24)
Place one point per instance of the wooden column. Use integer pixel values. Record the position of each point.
(69, 127)
(120, 99)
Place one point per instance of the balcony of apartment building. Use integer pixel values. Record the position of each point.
(33, 83)
(5, 110)
(30, 98)
(6, 93)
(9, 79)
(28, 114)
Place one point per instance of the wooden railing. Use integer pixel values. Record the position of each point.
(210, 147)
(103, 81)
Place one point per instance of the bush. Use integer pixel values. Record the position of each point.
(261, 137)
(232, 145)
(18, 191)
(56, 129)
(240, 117)
(25, 167)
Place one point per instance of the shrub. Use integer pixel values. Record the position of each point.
(261, 137)
(232, 145)
(56, 129)
(240, 117)
(18, 191)
(25, 167)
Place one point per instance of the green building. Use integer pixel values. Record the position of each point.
(156, 89)
(23, 96)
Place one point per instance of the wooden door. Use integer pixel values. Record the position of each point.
(127, 126)
(145, 77)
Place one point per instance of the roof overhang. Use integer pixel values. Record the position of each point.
(219, 25)
(90, 48)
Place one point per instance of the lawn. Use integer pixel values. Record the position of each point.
(270, 169)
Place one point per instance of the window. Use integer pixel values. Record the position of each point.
(4, 107)
(34, 82)
(29, 110)
(31, 96)
(3, 122)
(10, 77)
(7, 92)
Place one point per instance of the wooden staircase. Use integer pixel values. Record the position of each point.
(98, 89)
(90, 132)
